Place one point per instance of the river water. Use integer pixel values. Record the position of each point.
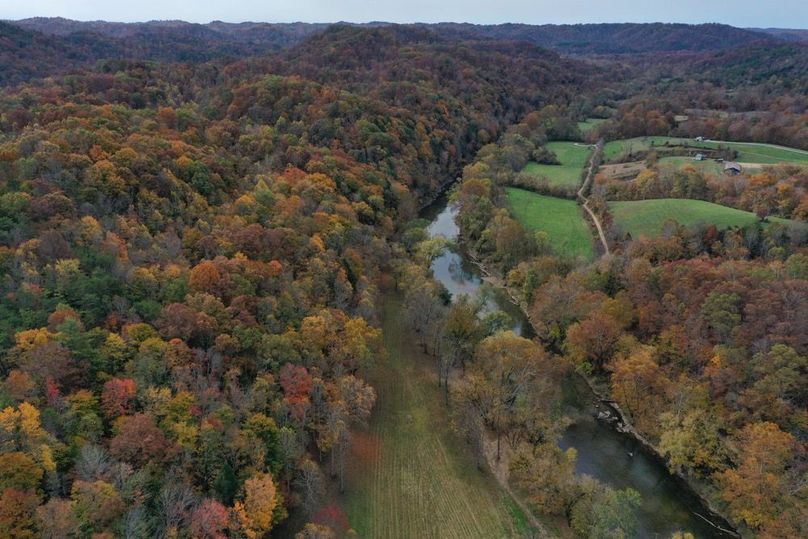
(603, 453)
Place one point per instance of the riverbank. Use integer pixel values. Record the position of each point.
(622, 424)
(603, 453)
(611, 414)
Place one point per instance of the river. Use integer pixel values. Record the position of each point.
(611, 457)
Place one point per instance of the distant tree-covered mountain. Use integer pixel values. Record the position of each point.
(257, 34)
(26, 54)
(786, 34)
(619, 38)
(43, 46)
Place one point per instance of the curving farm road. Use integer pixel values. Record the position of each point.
(590, 178)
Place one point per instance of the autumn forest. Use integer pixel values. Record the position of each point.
(329, 281)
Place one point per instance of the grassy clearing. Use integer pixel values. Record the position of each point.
(747, 152)
(561, 219)
(764, 153)
(620, 171)
(410, 476)
(709, 166)
(630, 170)
(648, 217)
(573, 158)
(618, 148)
(589, 124)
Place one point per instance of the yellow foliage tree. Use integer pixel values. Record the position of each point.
(254, 513)
(754, 489)
(204, 276)
(20, 430)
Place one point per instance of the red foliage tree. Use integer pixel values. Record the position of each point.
(117, 397)
(209, 521)
(140, 441)
(334, 517)
(297, 386)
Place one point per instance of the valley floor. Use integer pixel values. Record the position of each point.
(410, 476)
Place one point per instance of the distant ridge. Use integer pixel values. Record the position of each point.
(259, 32)
(38, 47)
(618, 38)
(786, 34)
(611, 38)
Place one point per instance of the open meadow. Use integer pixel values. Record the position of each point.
(621, 150)
(648, 217)
(748, 152)
(561, 219)
(766, 154)
(572, 157)
(589, 124)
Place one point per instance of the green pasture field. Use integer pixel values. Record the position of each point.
(573, 157)
(648, 217)
(708, 165)
(748, 152)
(767, 154)
(561, 219)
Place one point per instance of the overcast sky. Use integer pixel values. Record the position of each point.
(744, 13)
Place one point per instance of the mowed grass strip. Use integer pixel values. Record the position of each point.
(409, 475)
(648, 217)
(573, 157)
(561, 219)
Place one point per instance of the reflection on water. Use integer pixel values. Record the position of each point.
(443, 224)
(603, 453)
(449, 270)
(461, 277)
(619, 461)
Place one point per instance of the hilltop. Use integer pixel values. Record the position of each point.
(38, 47)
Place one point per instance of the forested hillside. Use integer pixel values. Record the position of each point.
(40, 47)
(199, 225)
(620, 38)
(193, 257)
(61, 44)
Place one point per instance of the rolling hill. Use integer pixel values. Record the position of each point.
(786, 34)
(40, 47)
(57, 44)
(648, 217)
(617, 38)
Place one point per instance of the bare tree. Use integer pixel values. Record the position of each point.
(93, 463)
(310, 482)
(175, 503)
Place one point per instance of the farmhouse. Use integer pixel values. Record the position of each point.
(732, 168)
